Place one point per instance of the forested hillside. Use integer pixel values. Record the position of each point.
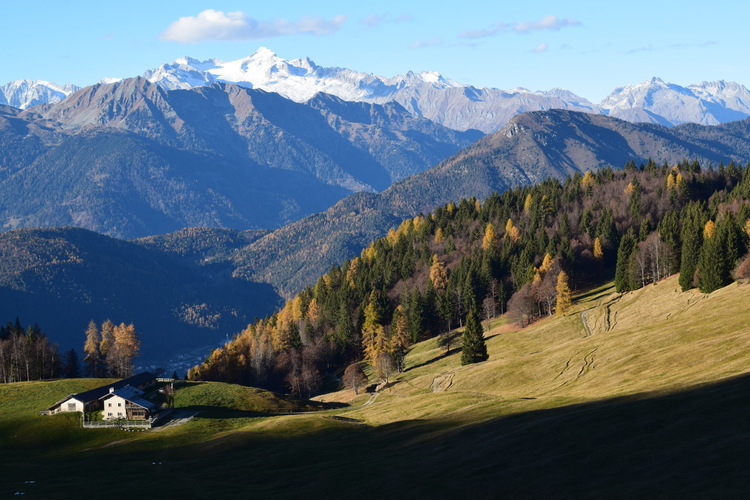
(531, 148)
(130, 159)
(468, 259)
(64, 277)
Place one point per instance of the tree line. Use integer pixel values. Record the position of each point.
(27, 354)
(520, 252)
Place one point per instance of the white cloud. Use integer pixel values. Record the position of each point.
(431, 42)
(542, 47)
(238, 26)
(547, 23)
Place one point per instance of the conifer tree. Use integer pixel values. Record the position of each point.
(692, 241)
(474, 349)
(711, 263)
(622, 269)
(564, 300)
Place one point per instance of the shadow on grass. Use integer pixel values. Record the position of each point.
(695, 443)
(433, 360)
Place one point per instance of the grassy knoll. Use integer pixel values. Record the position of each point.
(651, 399)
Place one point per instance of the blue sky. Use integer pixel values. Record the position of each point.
(586, 47)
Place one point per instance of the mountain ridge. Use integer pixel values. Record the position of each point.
(453, 104)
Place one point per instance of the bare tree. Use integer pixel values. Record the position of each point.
(354, 377)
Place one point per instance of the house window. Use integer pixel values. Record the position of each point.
(109, 413)
(71, 407)
(109, 405)
(119, 404)
(119, 414)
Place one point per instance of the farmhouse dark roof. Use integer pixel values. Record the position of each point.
(97, 393)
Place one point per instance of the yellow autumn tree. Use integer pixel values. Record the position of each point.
(512, 232)
(438, 275)
(671, 181)
(708, 230)
(125, 348)
(489, 237)
(297, 308)
(587, 180)
(564, 300)
(439, 237)
(313, 311)
(546, 264)
(528, 202)
(598, 252)
(747, 227)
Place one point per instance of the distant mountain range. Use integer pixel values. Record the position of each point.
(429, 94)
(133, 159)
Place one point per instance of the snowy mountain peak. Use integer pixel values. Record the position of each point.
(24, 94)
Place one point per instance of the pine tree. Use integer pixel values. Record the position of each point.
(474, 349)
(564, 300)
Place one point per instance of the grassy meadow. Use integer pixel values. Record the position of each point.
(645, 393)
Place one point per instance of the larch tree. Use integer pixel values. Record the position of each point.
(598, 252)
(490, 236)
(564, 300)
(91, 348)
(105, 346)
(474, 349)
(125, 348)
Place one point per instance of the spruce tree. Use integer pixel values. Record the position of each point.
(624, 253)
(474, 349)
(692, 240)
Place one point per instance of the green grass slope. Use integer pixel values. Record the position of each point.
(645, 393)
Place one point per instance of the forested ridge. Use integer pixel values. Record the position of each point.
(512, 252)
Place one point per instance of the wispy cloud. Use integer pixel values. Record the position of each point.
(542, 47)
(375, 20)
(430, 42)
(238, 26)
(495, 29)
(547, 23)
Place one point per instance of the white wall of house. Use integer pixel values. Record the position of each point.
(114, 407)
(71, 404)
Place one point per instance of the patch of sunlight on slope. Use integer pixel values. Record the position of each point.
(654, 339)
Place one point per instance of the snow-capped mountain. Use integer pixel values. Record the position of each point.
(707, 103)
(23, 94)
(427, 94)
